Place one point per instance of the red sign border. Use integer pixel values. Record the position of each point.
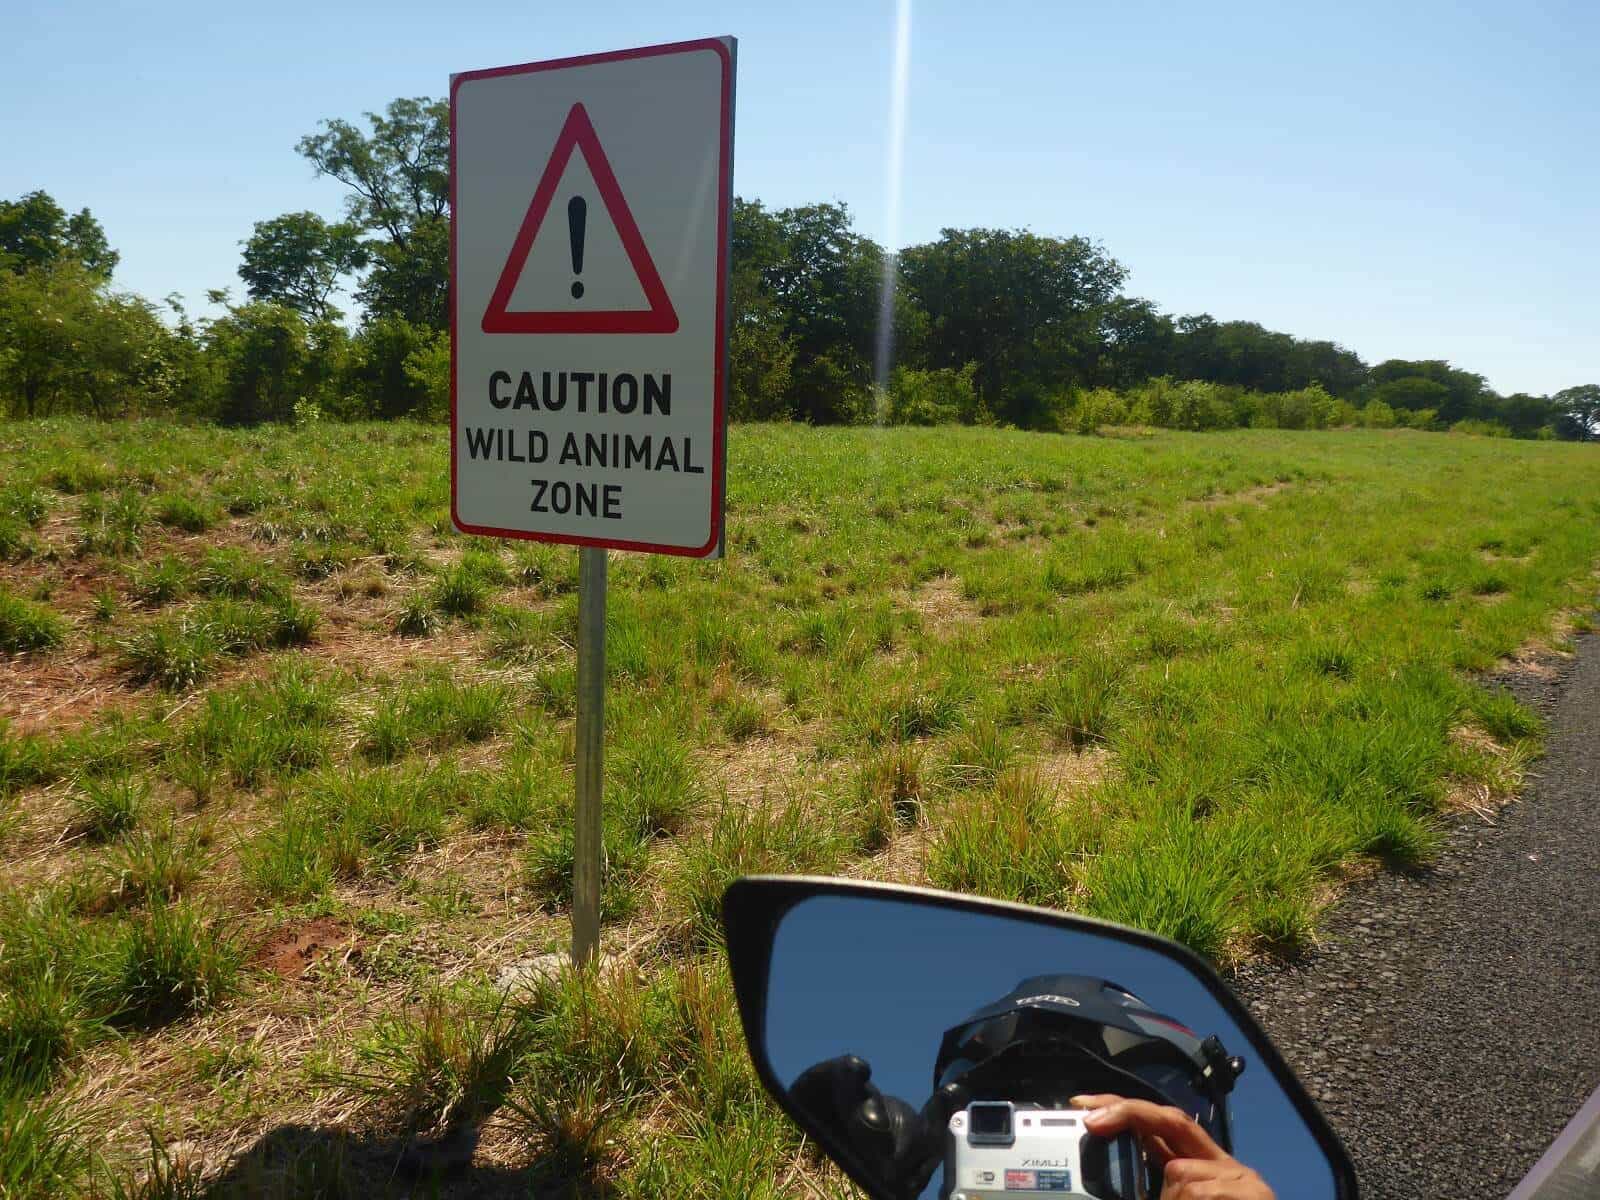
(724, 48)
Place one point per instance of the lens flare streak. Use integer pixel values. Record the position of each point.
(898, 96)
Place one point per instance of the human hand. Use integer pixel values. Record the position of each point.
(1193, 1166)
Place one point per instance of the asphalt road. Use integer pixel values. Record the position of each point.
(1450, 1024)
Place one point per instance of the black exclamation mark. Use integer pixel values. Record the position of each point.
(577, 210)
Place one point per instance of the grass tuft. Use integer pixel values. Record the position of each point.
(654, 788)
(162, 1176)
(782, 838)
(114, 527)
(159, 864)
(1170, 882)
(416, 617)
(44, 1150)
(1080, 703)
(1504, 717)
(173, 653)
(348, 824)
(548, 866)
(105, 808)
(446, 1064)
(434, 715)
(26, 627)
(892, 791)
(178, 511)
(161, 582)
(25, 760)
(234, 573)
(1013, 842)
(168, 963)
(459, 592)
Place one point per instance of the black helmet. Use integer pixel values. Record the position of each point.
(1056, 1036)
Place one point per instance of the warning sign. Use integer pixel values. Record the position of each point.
(560, 315)
(591, 201)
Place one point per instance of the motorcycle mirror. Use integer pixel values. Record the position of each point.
(929, 1043)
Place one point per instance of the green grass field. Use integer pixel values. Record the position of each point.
(285, 785)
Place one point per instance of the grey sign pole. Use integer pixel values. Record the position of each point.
(588, 850)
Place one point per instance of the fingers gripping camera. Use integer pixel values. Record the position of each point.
(996, 1149)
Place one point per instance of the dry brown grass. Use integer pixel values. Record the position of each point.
(942, 607)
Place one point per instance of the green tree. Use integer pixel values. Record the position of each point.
(389, 373)
(69, 345)
(1412, 393)
(36, 232)
(806, 296)
(1342, 372)
(398, 174)
(760, 355)
(1248, 355)
(826, 283)
(266, 358)
(760, 352)
(1136, 342)
(1464, 394)
(298, 259)
(1523, 414)
(1023, 307)
(411, 282)
(1579, 412)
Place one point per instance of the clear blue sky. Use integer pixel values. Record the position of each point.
(1413, 180)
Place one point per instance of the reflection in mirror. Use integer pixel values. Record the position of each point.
(942, 1047)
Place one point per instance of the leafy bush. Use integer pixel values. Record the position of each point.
(934, 397)
(1096, 407)
(1378, 415)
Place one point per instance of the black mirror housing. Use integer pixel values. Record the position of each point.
(875, 1013)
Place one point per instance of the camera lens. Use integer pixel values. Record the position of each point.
(990, 1119)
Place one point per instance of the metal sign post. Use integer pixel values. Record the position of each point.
(591, 204)
(588, 845)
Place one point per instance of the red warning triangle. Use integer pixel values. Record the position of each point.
(660, 317)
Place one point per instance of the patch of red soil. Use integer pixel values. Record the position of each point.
(289, 950)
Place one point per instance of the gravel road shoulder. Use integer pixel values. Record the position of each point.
(1449, 1026)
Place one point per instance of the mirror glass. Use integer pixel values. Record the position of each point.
(887, 979)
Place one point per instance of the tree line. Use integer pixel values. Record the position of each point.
(983, 325)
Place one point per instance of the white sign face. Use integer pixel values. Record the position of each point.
(590, 207)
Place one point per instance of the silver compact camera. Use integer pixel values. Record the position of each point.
(1005, 1151)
